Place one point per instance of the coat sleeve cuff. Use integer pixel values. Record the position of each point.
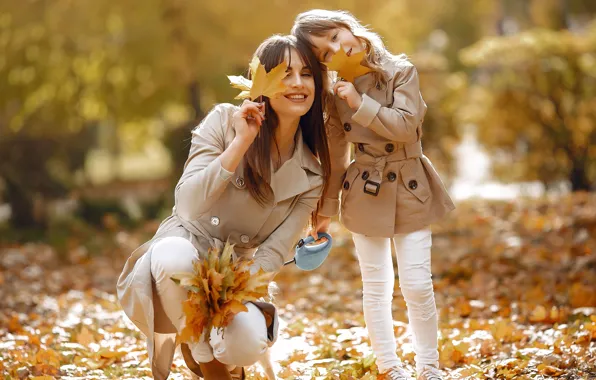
(224, 174)
(329, 208)
(367, 111)
(268, 262)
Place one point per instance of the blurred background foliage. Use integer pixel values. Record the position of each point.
(97, 98)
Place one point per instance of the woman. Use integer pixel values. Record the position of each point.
(254, 176)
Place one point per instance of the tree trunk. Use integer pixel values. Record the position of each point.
(24, 213)
(195, 100)
(578, 176)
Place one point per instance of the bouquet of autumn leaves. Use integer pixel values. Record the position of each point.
(217, 289)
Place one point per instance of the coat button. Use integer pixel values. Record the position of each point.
(361, 147)
(365, 175)
(244, 238)
(347, 127)
(346, 185)
(389, 148)
(240, 182)
(413, 184)
(215, 220)
(391, 176)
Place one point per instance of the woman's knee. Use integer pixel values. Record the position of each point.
(172, 255)
(244, 341)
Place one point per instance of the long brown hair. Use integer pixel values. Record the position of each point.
(318, 22)
(257, 160)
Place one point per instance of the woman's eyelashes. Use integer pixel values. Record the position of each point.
(305, 73)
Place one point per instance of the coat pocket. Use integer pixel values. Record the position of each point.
(414, 179)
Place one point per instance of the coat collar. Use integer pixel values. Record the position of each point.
(291, 179)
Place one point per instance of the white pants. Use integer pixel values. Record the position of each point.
(245, 338)
(376, 266)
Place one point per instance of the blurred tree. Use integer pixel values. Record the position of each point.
(123, 75)
(442, 90)
(536, 104)
(61, 81)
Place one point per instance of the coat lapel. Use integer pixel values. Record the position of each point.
(292, 179)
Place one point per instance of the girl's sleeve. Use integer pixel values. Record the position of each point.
(402, 121)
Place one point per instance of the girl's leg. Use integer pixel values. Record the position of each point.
(413, 252)
(376, 267)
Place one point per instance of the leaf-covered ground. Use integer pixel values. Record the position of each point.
(515, 284)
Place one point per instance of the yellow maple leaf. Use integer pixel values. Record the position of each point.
(263, 83)
(85, 337)
(348, 67)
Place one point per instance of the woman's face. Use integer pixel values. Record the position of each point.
(328, 44)
(299, 96)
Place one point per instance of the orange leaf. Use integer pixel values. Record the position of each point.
(539, 314)
(549, 370)
(108, 354)
(48, 356)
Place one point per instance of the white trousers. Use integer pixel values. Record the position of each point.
(242, 343)
(376, 266)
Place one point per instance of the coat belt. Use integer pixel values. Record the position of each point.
(377, 164)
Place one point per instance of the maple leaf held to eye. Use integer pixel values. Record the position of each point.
(263, 83)
(350, 67)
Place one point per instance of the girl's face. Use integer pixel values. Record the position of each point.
(330, 42)
(300, 93)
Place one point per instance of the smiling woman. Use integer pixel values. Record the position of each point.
(253, 177)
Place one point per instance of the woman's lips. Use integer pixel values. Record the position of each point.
(296, 98)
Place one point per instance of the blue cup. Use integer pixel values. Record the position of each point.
(310, 257)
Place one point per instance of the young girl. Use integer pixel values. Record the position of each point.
(253, 177)
(390, 192)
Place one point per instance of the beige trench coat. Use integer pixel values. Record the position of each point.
(212, 206)
(390, 187)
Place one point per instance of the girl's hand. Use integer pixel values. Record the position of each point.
(347, 91)
(322, 226)
(248, 120)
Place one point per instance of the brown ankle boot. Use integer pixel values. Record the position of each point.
(238, 373)
(190, 361)
(195, 368)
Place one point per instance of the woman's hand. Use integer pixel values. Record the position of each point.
(347, 91)
(248, 120)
